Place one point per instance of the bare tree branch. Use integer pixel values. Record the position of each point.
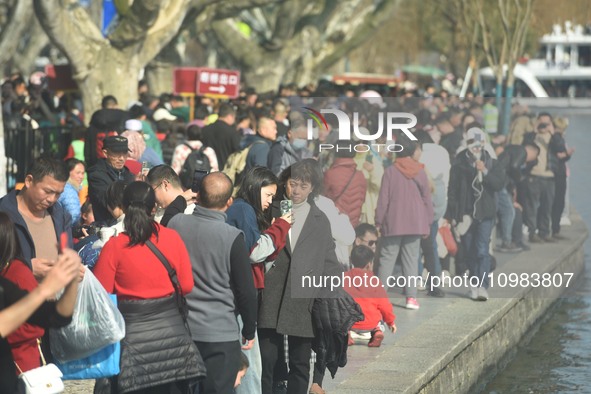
(165, 28)
(242, 49)
(134, 24)
(504, 19)
(359, 34)
(488, 50)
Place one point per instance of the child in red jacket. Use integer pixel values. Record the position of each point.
(367, 290)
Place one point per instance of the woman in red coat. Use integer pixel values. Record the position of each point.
(157, 353)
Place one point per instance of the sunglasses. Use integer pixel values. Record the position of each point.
(370, 243)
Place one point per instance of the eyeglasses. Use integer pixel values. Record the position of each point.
(156, 187)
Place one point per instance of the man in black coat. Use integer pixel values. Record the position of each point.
(106, 171)
(515, 161)
(222, 135)
(474, 179)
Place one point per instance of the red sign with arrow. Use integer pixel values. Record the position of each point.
(218, 82)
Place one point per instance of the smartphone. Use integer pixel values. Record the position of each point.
(285, 206)
(63, 242)
(198, 176)
(145, 168)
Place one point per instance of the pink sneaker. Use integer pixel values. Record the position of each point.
(412, 303)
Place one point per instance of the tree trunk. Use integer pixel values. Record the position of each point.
(106, 78)
(159, 72)
(329, 36)
(506, 121)
(266, 78)
(499, 86)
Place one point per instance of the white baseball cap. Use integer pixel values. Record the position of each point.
(133, 125)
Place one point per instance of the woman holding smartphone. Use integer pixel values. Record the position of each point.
(25, 311)
(250, 213)
(264, 238)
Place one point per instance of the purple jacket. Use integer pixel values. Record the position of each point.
(404, 205)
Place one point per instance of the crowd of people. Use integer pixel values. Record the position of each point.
(190, 204)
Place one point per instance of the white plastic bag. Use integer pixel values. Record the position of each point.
(95, 324)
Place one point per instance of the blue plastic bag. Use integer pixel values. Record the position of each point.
(102, 364)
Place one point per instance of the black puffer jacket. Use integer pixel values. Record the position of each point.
(157, 348)
(332, 319)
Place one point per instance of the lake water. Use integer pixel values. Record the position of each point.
(558, 357)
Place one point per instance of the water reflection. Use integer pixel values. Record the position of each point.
(558, 357)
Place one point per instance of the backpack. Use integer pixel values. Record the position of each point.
(197, 160)
(236, 162)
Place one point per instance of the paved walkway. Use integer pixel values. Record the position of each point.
(430, 338)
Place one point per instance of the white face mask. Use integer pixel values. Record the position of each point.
(299, 143)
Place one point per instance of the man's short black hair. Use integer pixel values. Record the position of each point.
(47, 166)
(163, 172)
(108, 101)
(136, 111)
(361, 255)
(363, 228)
(225, 110)
(18, 81)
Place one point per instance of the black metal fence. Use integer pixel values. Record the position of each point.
(25, 144)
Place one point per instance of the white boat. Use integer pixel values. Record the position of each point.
(562, 69)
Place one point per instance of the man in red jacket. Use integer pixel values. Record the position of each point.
(367, 290)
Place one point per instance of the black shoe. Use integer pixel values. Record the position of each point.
(523, 246)
(509, 248)
(549, 239)
(559, 237)
(535, 239)
(436, 292)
